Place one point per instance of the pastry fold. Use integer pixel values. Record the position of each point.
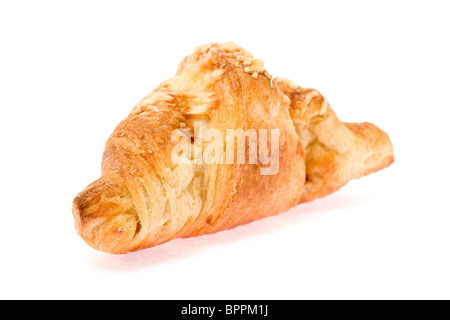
(220, 144)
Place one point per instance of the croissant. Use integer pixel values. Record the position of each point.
(220, 144)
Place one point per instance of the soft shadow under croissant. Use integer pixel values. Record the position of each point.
(144, 198)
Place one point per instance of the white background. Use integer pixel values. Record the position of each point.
(71, 70)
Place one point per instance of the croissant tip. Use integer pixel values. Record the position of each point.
(91, 230)
(82, 222)
(103, 218)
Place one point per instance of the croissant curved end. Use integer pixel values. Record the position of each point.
(104, 218)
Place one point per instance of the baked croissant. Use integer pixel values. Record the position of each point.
(145, 198)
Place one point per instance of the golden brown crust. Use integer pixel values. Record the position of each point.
(143, 198)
